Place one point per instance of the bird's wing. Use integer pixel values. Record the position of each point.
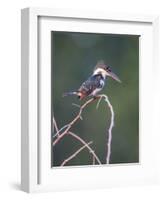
(90, 85)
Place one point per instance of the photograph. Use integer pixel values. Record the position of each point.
(94, 99)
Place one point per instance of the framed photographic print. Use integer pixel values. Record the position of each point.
(87, 110)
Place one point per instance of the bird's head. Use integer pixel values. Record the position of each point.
(105, 70)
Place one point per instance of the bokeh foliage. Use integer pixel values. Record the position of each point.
(74, 56)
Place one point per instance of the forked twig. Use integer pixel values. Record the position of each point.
(57, 133)
(69, 125)
(88, 147)
(75, 154)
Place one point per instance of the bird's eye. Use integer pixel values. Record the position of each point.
(108, 69)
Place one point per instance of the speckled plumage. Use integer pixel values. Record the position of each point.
(96, 82)
(91, 86)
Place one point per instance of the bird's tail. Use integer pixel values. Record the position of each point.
(69, 93)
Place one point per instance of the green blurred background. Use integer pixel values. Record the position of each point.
(74, 56)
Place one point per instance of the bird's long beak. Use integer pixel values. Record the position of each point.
(113, 76)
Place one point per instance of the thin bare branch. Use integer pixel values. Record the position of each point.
(60, 131)
(60, 135)
(109, 129)
(55, 126)
(76, 105)
(88, 147)
(75, 154)
(98, 103)
(69, 125)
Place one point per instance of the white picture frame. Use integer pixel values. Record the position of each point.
(36, 173)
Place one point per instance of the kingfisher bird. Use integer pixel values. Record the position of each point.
(95, 83)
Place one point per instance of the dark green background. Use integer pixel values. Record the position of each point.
(74, 56)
